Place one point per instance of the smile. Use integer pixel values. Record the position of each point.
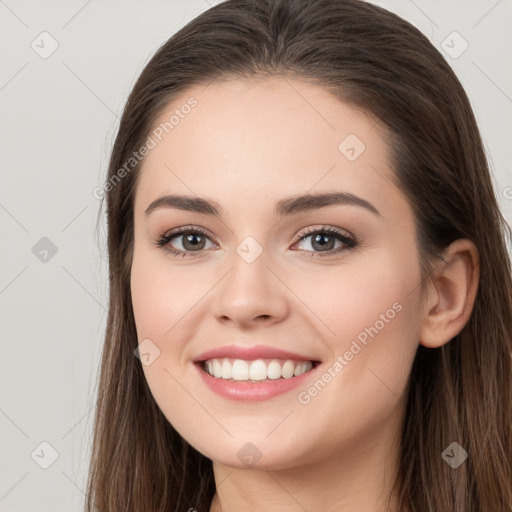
(256, 380)
(256, 370)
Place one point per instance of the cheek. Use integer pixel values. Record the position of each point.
(160, 300)
(163, 300)
(155, 294)
(149, 300)
(372, 316)
(357, 300)
(161, 295)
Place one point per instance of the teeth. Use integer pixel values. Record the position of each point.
(274, 370)
(288, 369)
(257, 370)
(226, 370)
(217, 370)
(239, 369)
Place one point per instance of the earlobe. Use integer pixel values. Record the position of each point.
(452, 295)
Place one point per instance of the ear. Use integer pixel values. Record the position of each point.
(452, 294)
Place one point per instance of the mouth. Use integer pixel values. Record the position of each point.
(254, 380)
(256, 370)
(252, 373)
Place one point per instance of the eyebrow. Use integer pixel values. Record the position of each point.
(284, 207)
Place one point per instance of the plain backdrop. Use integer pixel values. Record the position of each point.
(66, 70)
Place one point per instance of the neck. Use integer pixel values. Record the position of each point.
(350, 480)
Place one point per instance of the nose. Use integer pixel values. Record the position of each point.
(251, 295)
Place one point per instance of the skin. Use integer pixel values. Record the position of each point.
(246, 145)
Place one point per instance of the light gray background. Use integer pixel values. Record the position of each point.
(58, 117)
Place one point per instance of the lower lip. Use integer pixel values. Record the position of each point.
(252, 391)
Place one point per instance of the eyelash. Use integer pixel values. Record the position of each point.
(350, 242)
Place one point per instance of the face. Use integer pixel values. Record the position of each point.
(323, 294)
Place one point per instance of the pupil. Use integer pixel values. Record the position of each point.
(321, 240)
(189, 240)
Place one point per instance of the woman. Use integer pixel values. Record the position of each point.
(341, 340)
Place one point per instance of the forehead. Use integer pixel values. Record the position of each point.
(254, 139)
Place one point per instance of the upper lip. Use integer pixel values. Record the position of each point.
(250, 353)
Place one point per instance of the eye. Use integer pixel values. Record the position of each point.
(192, 240)
(325, 239)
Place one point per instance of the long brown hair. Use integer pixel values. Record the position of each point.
(376, 61)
